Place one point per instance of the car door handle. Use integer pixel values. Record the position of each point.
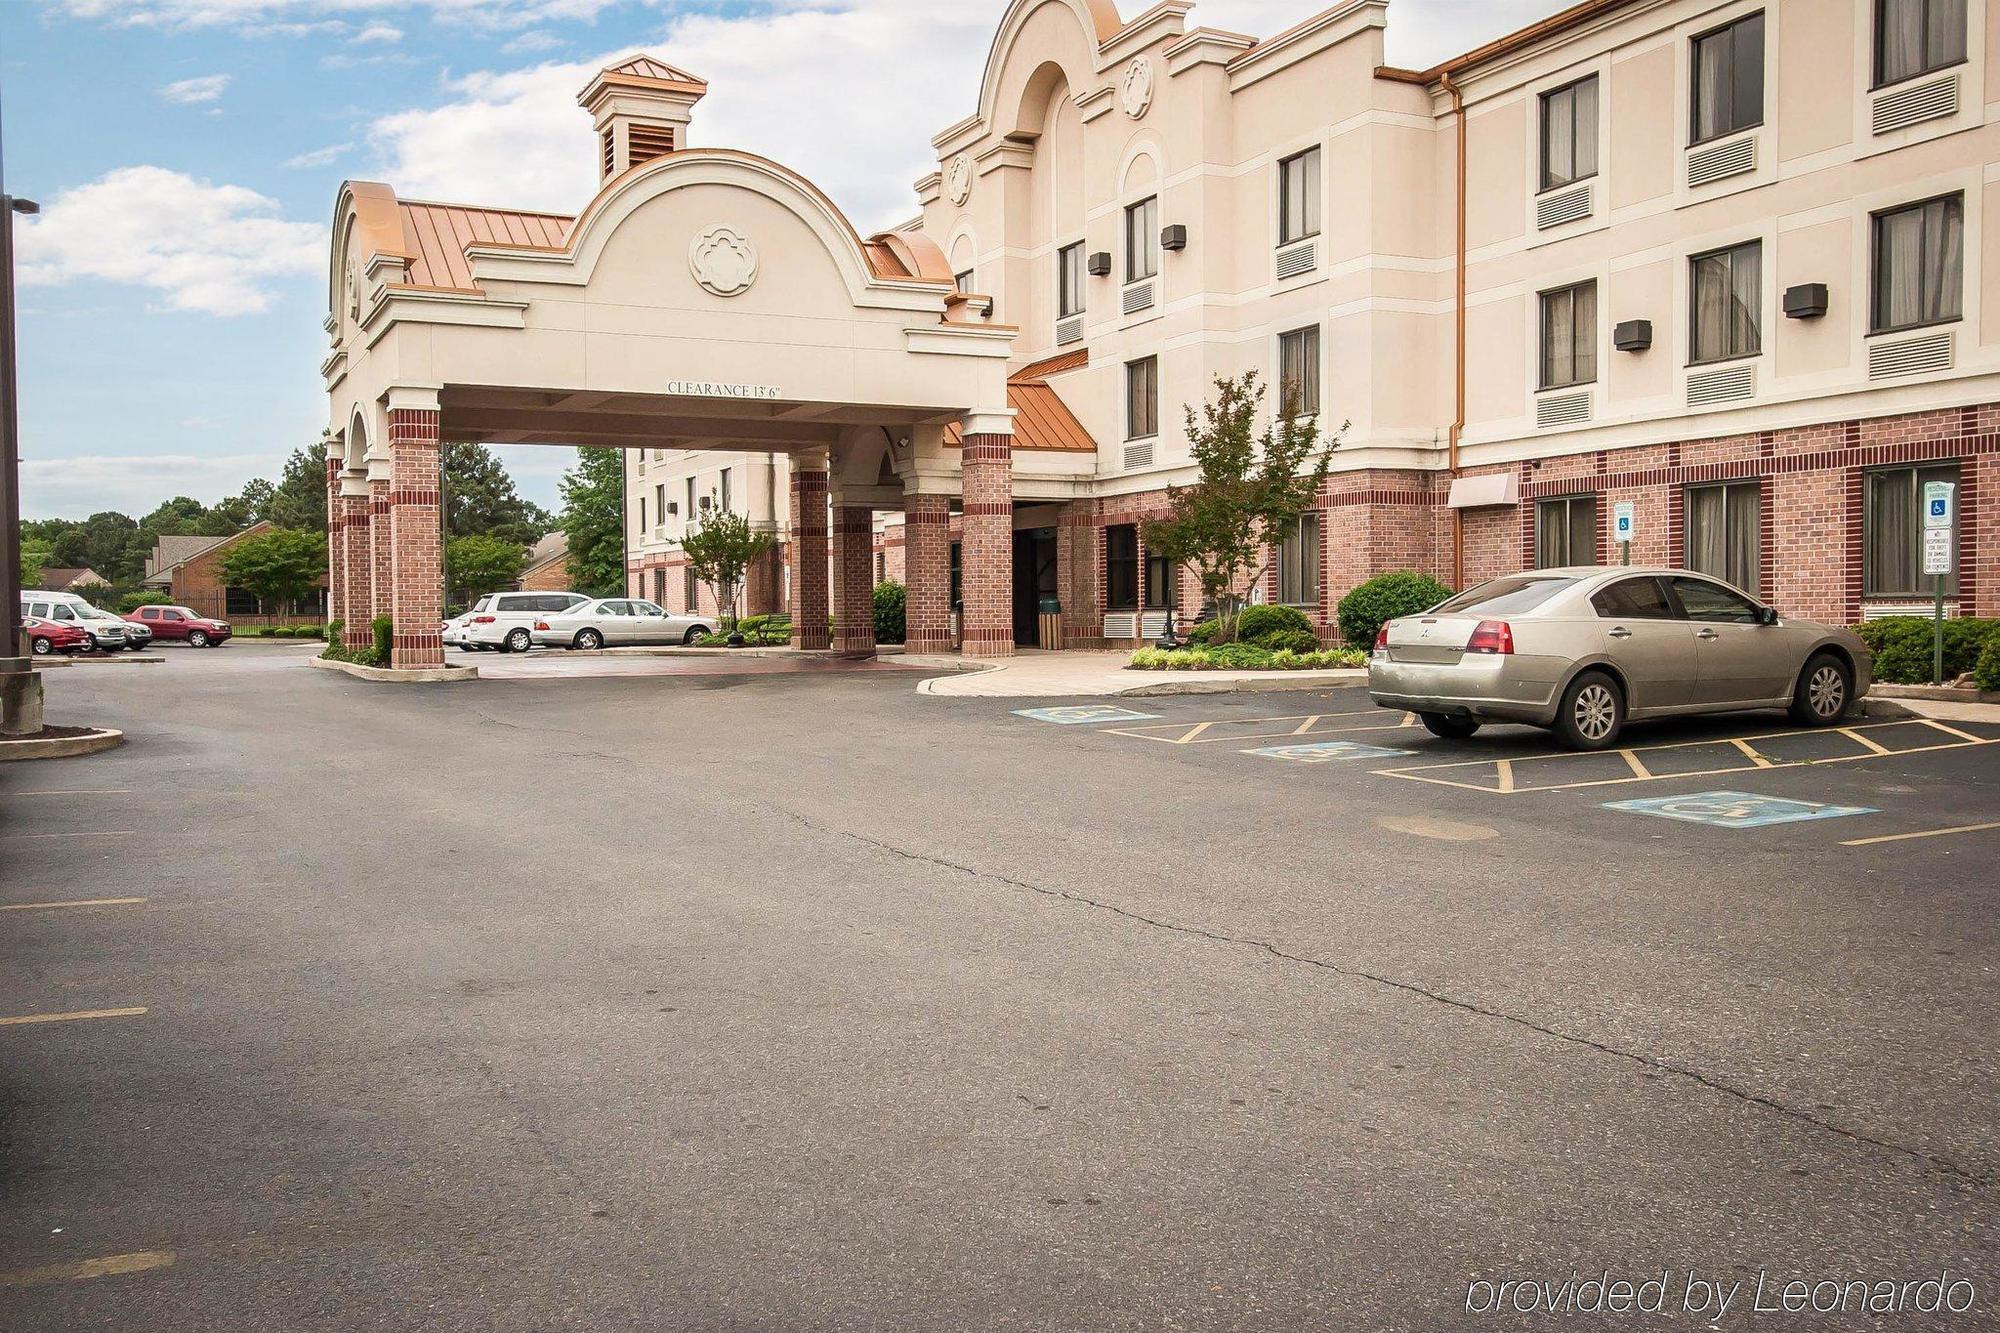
(1620, 632)
(1704, 634)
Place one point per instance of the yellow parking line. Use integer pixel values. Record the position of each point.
(110, 1265)
(1859, 739)
(18, 1019)
(1952, 731)
(1922, 833)
(1639, 770)
(1306, 725)
(73, 902)
(1749, 753)
(1417, 774)
(1506, 773)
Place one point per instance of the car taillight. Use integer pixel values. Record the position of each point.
(1491, 636)
(482, 620)
(541, 624)
(1382, 638)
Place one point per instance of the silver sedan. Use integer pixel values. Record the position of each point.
(617, 622)
(1585, 650)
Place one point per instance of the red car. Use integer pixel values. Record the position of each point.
(177, 622)
(46, 636)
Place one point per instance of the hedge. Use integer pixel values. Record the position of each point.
(1273, 627)
(1369, 605)
(1902, 646)
(889, 626)
(1245, 657)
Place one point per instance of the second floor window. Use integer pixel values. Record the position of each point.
(1728, 90)
(962, 281)
(1142, 240)
(1919, 265)
(1914, 37)
(688, 513)
(1569, 336)
(725, 490)
(1142, 398)
(1298, 197)
(1069, 281)
(1725, 290)
(1298, 372)
(1569, 133)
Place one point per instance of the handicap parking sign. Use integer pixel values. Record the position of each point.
(1735, 809)
(1076, 715)
(1321, 752)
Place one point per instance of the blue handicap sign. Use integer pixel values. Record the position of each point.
(1077, 715)
(1735, 809)
(1321, 752)
(1937, 508)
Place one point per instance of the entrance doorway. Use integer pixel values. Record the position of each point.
(1034, 579)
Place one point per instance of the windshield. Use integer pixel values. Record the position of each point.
(89, 612)
(1520, 592)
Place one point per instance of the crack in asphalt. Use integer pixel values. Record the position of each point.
(1942, 1164)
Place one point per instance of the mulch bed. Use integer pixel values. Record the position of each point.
(52, 734)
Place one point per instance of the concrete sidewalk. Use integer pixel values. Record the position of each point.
(1079, 673)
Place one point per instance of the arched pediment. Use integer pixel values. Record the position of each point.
(367, 223)
(1096, 22)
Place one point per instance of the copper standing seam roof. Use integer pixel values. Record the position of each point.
(1042, 420)
(437, 234)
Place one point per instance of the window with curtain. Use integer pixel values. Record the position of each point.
(962, 281)
(1142, 239)
(725, 490)
(1298, 196)
(688, 513)
(1298, 372)
(642, 515)
(1298, 564)
(1725, 533)
(1142, 398)
(1569, 133)
(1893, 532)
(1919, 265)
(1069, 281)
(690, 591)
(1159, 582)
(1569, 336)
(1726, 293)
(1566, 532)
(1914, 37)
(1728, 70)
(1121, 567)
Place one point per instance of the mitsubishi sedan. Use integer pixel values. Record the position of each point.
(618, 622)
(1585, 650)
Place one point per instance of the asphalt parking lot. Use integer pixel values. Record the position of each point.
(806, 1001)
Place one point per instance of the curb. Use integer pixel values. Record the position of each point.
(121, 659)
(1944, 694)
(1278, 683)
(392, 676)
(61, 747)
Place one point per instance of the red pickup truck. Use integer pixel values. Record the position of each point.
(177, 622)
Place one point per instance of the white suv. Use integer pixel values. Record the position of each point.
(507, 623)
(107, 632)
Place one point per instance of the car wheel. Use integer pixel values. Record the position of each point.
(517, 641)
(694, 632)
(1448, 725)
(1824, 692)
(134, 647)
(41, 647)
(197, 639)
(1592, 712)
(589, 640)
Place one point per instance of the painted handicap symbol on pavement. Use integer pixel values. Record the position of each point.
(1736, 809)
(1321, 752)
(1076, 715)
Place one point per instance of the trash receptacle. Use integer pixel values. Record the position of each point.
(1048, 628)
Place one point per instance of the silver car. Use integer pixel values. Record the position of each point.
(1585, 650)
(618, 622)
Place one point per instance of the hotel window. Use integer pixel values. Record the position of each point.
(642, 515)
(1069, 281)
(1914, 37)
(1728, 90)
(1159, 582)
(1893, 532)
(690, 500)
(957, 579)
(1121, 567)
(1569, 336)
(1725, 291)
(881, 566)
(1142, 239)
(690, 591)
(962, 281)
(1566, 532)
(1569, 133)
(1919, 265)
(1298, 372)
(660, 503)
(725, 490)
(1298, 196)
(1142, 398)
(1725, 533)
(1298, 564)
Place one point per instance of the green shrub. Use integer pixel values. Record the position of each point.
(1257, 623)
(1902, 646)
(132, 601)
(1203, 632)
(279, 632)
(889, 608)
(1382, 598)
(1245, 657)
(1986, 669)
(310, 632)
(384, 630)
(1287, 641)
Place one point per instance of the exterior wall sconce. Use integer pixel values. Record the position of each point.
(1805, 301)
(1099, 264)
(1633, 335)
(1174, 237)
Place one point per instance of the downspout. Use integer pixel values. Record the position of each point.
(1458, 357)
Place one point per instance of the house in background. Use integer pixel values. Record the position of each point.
(547, 569)
(189, 570)
(80, 580)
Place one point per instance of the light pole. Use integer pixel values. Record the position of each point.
(20, 687)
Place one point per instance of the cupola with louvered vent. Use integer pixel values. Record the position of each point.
(641, 107)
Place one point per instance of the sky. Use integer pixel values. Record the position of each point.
(186, 154)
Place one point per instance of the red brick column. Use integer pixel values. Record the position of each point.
(927, 573)
(417, 538)
(987, 549)
(764, 583)
(809, 557)
(357, 556)
(854, 581)
(381, 564)
(336, 542)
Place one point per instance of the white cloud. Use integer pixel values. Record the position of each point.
(213, 248)
(133, 483)
(533, 40)
(207, 88)
(319, 157)
(379, 32)
(262, 15)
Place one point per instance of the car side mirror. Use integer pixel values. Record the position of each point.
(1767, 615)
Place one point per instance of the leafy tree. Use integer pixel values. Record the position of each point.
(719, 550)
(108, 542)
(1254, 486)
(477, 564)
(132, 601)
(299, 498)
(35, 557)
(176, 516)
(593, 520)
(280, 567)
(480, 499)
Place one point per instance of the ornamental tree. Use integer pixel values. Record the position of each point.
(476, 565)
(1253, 488)
(281, 567)
(593, 521)
(720, 549)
